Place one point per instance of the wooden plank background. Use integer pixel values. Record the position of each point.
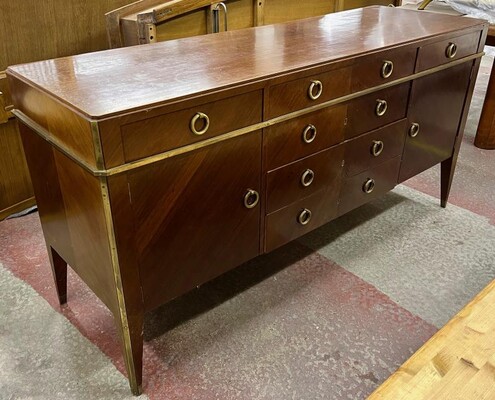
(32, 30)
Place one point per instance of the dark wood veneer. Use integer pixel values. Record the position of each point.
(147, 231)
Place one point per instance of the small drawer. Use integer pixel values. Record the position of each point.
(306, 92)
(299, 218)
(384, 67)
(368, 185)
(300, 137)
(371, 149)
(302, 178)
(169, 131)
(377, 109)
(447, 50)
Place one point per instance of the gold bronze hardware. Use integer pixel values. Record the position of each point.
(368, 186)
(414, 130)
(387, 69)
(377, 148)
(196, 118)
(304, 216)
(307, 177)
(451, 50)
(42, 132)
(309, 133)
(251, 198)
(315, 84)
(381, 107)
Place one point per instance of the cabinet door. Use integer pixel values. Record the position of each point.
(191, 220)
(436, 107)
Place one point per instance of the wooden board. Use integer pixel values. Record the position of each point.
(30, 31)
(458, 362)
(148, 21)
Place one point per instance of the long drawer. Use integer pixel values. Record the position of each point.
(165, 132)
(447, 50)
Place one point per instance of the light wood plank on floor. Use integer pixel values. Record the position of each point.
(458, 362)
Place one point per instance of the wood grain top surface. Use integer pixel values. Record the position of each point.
(111, 82)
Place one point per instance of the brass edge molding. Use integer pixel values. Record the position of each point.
(95, 132)
(55, 142)
(239, 132)
(124, 323)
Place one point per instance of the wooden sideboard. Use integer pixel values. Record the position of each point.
(159, 167)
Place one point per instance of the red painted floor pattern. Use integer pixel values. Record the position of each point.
(288, 325)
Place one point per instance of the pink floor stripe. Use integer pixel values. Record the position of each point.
(308, 312)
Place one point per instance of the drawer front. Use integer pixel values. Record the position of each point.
(386, 66)
(371, 149)
(368, 185)
(165, 132)
(376, 109)
(447, 50)
(307, 92)
(299, 218)
(300, 137)
(302, 178)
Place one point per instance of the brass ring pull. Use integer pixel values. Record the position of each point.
(309, 134)
(304, 216)
(307, 177)
(451, 50)
(377, 148)
(315, 84)
(381, 107)
(251, 198)
(387, 69)
(414, 130)
(368, 186)
(195, 119)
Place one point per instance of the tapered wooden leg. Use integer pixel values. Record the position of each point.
(131, 334)
(59, 270)
(447, 174)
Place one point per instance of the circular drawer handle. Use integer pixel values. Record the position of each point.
(451, 50)
(304, 216)
(206, 123)
(315, 84)
(381, 107)
(377, 147)
(387, 69)
(309, 134)
(307, 177)
(251, 198)
(368, 186)
(414, 130)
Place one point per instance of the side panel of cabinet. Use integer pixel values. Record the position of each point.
(191, 221)
(436, 106)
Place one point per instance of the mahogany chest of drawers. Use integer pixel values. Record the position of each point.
(156, 168)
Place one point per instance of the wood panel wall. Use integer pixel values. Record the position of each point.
(32, 30)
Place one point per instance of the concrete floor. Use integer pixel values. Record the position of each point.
(329, 316)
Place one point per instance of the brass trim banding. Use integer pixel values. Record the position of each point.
(114, 259)
(239, 132)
